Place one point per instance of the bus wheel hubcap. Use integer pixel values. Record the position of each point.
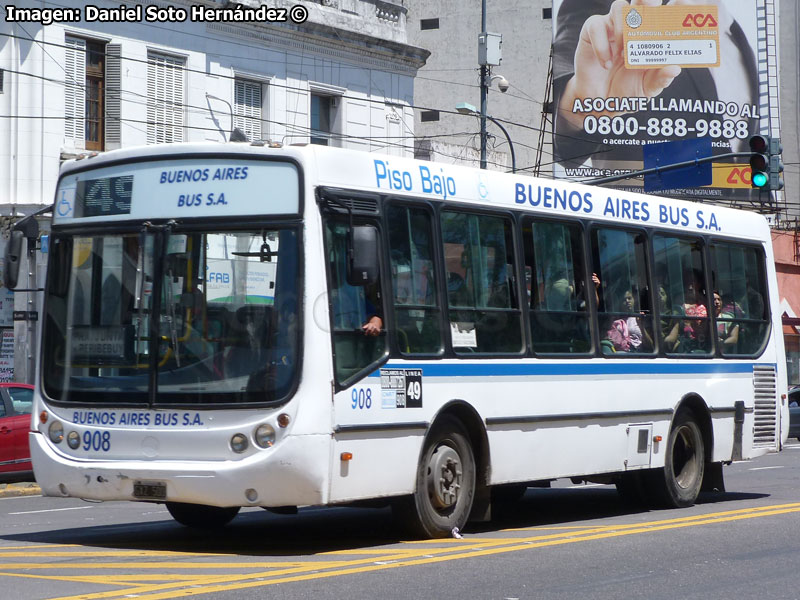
(444, 477)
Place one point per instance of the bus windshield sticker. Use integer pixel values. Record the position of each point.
(401, 388)
(463, 335)
(102, 344)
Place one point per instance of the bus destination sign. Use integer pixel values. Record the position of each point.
(104, 196)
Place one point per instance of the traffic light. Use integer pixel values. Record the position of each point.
(765, 162)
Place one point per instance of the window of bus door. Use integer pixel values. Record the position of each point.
(739, 298)
(218, 337)
(481, 291)
(414, 294)
(684, 323)
(558, 299)
(355, 350)
(625, 320)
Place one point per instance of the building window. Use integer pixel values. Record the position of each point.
(165, 107)
(547, 13)
(248, 108)
(1, 80)
(95, 79)
(428, 24)
(84, 96)
(429, 115)
(321, 107)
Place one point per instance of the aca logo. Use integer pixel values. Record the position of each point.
(699, 20)
(740, 175)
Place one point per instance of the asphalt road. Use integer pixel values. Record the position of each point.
(575, 542)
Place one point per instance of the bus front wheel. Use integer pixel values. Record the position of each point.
(678, 484)
(200, 515)
(445, 484)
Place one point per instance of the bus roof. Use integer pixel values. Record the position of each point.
(405, 177)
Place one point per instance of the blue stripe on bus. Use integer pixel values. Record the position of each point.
(564, 369)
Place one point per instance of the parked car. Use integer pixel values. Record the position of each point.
(794, 412)
(16, 400)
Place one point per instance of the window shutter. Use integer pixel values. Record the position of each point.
(247, 108)
(113, 102)
(164, 99)
(74, 92)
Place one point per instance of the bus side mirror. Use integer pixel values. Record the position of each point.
(12, 259)
(362, 255)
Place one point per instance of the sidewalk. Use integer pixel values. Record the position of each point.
(10, 490)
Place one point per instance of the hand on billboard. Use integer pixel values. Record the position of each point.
(600, 65)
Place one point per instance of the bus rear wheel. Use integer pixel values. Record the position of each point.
(678, 484)
(201, 516)
(445, 484)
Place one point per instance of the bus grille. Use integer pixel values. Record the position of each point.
(765, 393)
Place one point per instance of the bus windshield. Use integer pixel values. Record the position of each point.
(165, 317)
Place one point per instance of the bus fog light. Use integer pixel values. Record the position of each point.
(239, 443)
(251, 495)
(73, 440)
(56, 432)
(265, 435)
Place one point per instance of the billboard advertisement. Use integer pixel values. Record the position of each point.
(626, 75)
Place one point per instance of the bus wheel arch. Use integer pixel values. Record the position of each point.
(452, 468)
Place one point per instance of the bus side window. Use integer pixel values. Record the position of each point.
(355, 352)
(558, 302)
(482, 301)
(625, 319)
(682, 297)
(414, 294)
(738, 276)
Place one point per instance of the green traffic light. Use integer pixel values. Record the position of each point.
(760, 179)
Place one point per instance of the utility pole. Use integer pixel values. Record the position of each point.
(484, 85)
(488, 55)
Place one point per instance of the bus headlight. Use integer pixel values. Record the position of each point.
(73, 440)
(56, 432)
(239, 443)
(265, 435)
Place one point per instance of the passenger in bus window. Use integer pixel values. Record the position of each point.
(640, 338)
(374, 323)
(693, 335)
(727, 330)
(669, 320)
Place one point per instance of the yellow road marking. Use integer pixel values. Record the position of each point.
(155, 586)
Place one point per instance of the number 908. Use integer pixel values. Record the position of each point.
(361, 398)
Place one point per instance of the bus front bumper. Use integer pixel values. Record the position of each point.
(295, 474)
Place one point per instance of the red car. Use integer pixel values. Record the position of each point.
(16, 400)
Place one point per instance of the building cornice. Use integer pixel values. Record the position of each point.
(314, 37)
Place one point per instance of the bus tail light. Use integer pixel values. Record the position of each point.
(56, 432)
(265, 435)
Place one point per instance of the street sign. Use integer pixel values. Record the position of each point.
(26, 315)
(663, 154)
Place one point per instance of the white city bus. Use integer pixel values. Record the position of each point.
(203, 341)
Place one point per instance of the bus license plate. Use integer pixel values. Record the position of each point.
(151, 490)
